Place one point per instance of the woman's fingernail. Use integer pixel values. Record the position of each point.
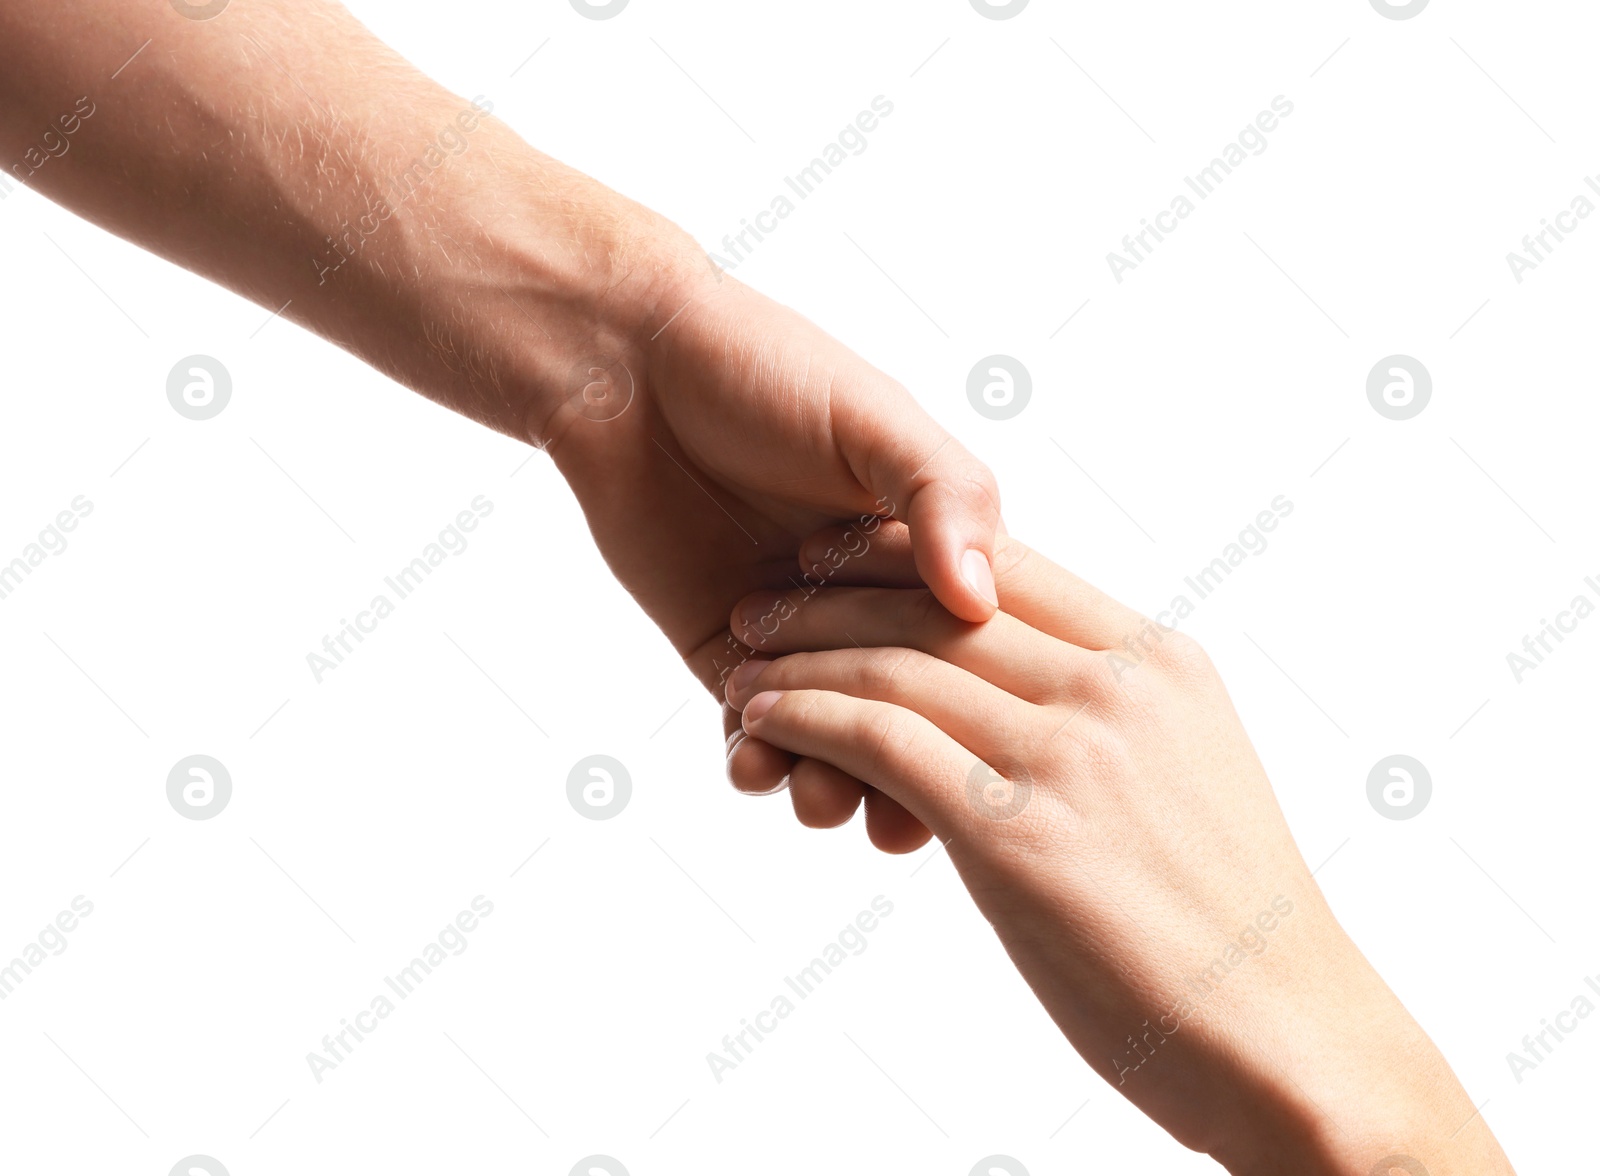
(760, 705)
(745, 674)
(979, 576)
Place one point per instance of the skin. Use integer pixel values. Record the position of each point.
(1114, 824)
(703, 428)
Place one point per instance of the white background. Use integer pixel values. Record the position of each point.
(1222, 372)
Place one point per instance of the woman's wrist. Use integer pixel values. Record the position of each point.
(1277, 1053)
(1350, 1080)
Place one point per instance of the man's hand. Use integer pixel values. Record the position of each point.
(283, 151)
(704, 452)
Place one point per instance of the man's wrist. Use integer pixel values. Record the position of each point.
(521, 277)
(602, 276)
(605, 278)
(401, 222)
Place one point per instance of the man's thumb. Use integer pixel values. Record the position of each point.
(951, 503)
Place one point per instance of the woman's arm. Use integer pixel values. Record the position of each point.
(1094, 787)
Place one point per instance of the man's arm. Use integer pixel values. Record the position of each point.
(283, 151)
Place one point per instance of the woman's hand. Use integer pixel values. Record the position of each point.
(1098, 794)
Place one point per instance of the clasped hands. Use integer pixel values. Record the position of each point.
(1097, 793)
(1108, 814)
(1111, 820)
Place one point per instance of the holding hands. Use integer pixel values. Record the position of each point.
(1084, 767)
(1112, 821)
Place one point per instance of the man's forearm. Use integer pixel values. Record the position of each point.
(283, 151)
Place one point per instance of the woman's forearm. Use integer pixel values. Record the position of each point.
(1118, 830)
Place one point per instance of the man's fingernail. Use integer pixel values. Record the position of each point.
(760, 705)
(756, 617)
(812, 550)
(979, 576)
(745, 674)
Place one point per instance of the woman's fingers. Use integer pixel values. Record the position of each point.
(823, 796)
(891, 748)
(979, 716)
(1031, 588)
(1002, 650)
